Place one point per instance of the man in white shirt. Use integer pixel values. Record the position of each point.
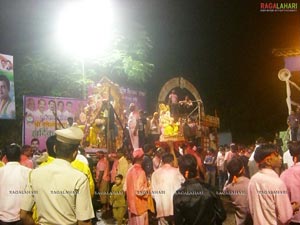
(81, 157)
(165, 181)
(133, 126)
(13, 180)
(287, 158)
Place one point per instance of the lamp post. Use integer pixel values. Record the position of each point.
(85, 31)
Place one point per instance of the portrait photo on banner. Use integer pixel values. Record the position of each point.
(7, 88)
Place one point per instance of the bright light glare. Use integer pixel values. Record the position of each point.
(85, 27)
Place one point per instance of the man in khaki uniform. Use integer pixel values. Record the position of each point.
(60, 192)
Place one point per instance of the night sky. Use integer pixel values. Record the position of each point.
(223, 47)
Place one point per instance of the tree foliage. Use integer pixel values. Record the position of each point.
(50, 73)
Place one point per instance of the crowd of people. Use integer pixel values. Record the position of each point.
(169, 184)
(148, 182)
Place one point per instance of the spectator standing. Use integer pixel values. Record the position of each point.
(187, 105)
(142, 123)
(154, 129)
(147, 161)
(63, 194)
(222, 174)
(230, 154)
(157, 159)
(291, 178)
(195, 202)
(123, 165)
(244, 158)
(252, 165)
(103, 179)
(287, 160)
(26, 156)
(114, 161)
(133, 126)
(173, 103)
(81, 156)
(13, 180)
(210, 167)
(278, 142)
(237, 188)
(192, 150)
(269, 202)
(137, 191)
(293, 123)
(164, 183)
(117, 199)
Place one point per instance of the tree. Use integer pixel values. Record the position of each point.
(48, 73)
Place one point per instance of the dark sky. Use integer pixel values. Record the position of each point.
(223, 47)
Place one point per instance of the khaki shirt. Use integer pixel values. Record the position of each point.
(61, 194)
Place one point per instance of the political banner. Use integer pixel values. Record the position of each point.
(7, 88)
(44, 114)
(133, 96)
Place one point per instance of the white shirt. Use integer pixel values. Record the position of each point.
(165, 181)
(82, 158)
(13, 180)
(288, 159)
(132, 123)
(220, 161)
(252, 155)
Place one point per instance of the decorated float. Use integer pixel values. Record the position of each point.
(104, 122)
(189, 125)
(102, 118)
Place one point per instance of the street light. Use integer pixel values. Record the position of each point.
(85, 30)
